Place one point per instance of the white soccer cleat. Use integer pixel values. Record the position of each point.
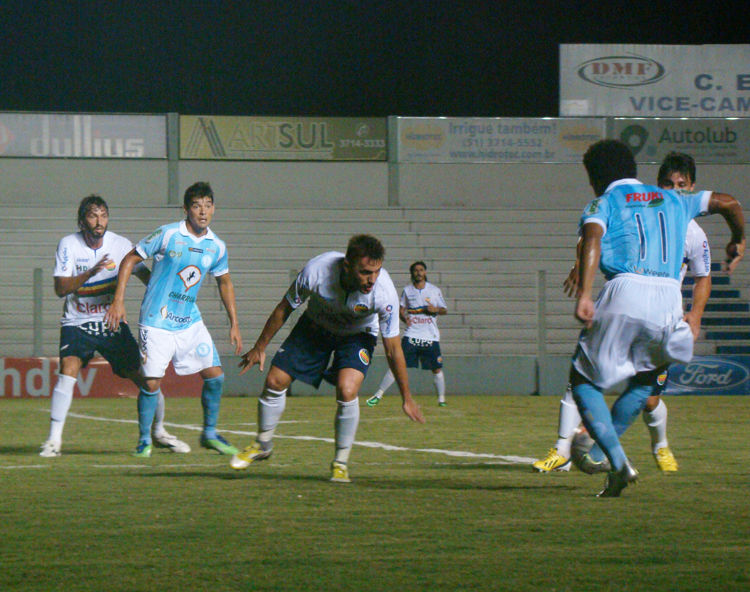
(166, 440)
(50, 449)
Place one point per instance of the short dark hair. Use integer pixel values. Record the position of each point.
(197, 190)
(676, 162)
(607, 161)
(364, 245)
(87, 204)
(413, 265)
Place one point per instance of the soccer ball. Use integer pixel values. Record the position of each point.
(580, 457)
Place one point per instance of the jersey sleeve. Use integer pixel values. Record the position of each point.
(597, 212)
(299, 291)
(150, 245)
(64, 266)
(698, 253)
(441, 300)
(221, 266)
(388, 311)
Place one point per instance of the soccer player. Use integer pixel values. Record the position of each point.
(421, 303)
(170, 326)
(677, 171)
(351, 299)
(86, 266)
(636, 234)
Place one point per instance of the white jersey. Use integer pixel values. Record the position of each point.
(339, 311)
(415, 301)
(697, 252)
(91, 301)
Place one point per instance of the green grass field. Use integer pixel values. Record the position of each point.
(452, 505)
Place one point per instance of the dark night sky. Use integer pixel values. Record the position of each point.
(314, 57)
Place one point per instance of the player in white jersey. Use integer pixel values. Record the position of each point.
(677, 171)
(421, 303)
(171, 329)
(351, 299)
(636, 234)
(86, 266)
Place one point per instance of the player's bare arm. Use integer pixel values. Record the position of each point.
(588, 263)
(570, 285)
(436, 310)
(396, 362)
(731, 210)
(68, 285)
(226, 291)
(116, 312)
(701, 292)
(257, 355)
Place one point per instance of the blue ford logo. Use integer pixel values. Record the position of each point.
(708, 374)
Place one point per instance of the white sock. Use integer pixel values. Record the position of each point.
(656, 421)
(271, 405)
(157, 429)
(439, 381)
(386, 383)
(347, 420)
(567, 423)
(62, 397)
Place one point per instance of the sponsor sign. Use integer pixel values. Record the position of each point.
(31, 378)
(655, 80)
(710, 376)
(460, 140)
(706, 140)
(282, 138)
(40, 135)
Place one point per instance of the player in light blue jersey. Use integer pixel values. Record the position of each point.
(171, 328)
(636, 234)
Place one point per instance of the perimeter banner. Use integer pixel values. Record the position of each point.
(492, 140)
(32, 378)
(710, 375)
(655, 80)
(282, 138)
(40, 135)
(706, 140)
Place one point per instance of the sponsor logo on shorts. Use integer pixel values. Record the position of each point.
(203, 349)
(661, 379)
(364, 357)
(190, 276)
(361, 308)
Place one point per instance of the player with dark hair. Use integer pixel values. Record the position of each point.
(351, 299)
(86, 267)
(421, 303)
(636, 234)
(171, 326)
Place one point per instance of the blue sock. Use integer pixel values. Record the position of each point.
(598, 421)
(147, 403)
(211, 400)
(627, 407)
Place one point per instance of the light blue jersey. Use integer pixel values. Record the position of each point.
(181, 261)
(644, 227)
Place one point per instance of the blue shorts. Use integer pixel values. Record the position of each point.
(305, 354)
(421, 350)
(119, 348)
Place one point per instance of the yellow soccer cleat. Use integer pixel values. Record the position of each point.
(552, 462)
(243, 459)
(665, 460)
(339, 473)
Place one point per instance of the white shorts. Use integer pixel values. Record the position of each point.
(637, 327)
(190, 350)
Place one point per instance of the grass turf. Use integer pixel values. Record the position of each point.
(438, 508)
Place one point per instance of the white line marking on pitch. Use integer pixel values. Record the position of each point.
(389, 447)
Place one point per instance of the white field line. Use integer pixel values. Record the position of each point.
(506, 459)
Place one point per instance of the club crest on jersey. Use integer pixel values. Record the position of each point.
(361, 308)
(364, 357)
(111, 266)
(190, 276)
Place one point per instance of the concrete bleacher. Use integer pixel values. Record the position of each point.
(486, 262)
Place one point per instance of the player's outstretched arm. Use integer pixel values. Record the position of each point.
(68, 285)
(226, 291)
(396, 362)
(731, 210)
(116, 312)
(257, 355)
(701, 292)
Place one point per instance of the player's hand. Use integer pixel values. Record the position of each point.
(101, 264)
(413, 411)
(735, 253)
(114, 316)
(695, 324)
(570, 285)
(408, 321)
(585, 311)
(251, 358)
(235, 338)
